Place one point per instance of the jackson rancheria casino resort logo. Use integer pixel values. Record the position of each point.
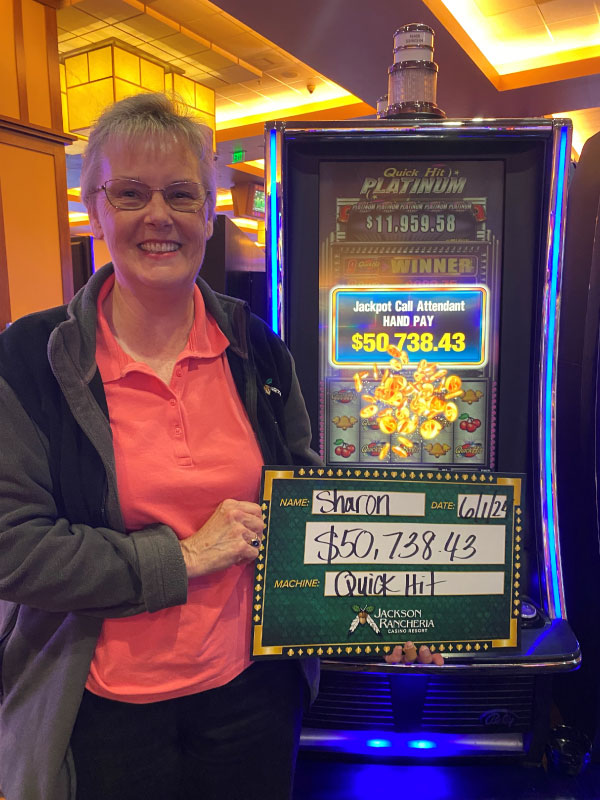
(363, 617)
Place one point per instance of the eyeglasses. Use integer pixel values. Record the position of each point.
(129, 195)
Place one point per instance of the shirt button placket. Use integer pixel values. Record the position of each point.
(181, 448)
(174, 416)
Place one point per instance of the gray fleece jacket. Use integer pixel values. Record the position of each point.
(66, 561)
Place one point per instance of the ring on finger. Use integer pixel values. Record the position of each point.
(255, 542)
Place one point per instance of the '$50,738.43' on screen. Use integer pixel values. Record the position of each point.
(412, 342)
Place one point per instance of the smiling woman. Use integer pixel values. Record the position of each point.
(135, 425)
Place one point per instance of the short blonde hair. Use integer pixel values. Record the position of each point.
(155, 117)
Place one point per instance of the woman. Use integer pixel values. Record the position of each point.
(134, 425)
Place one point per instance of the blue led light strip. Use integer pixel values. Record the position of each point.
(549, 464)
(274, 226)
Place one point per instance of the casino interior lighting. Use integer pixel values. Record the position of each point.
(523, 45)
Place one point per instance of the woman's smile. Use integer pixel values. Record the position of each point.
(159, 247)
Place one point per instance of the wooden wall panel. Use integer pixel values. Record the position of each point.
(35, 252)
(20, 60)
(53, 69)
(29, 67)
(9, 96)
(36, 61)
(31, 226)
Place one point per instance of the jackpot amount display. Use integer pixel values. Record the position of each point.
(413, 342)
(414, 223)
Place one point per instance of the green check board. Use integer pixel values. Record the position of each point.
(355, 561)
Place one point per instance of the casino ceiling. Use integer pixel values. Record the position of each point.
(316, 59)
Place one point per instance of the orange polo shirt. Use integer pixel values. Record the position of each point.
(180, 450)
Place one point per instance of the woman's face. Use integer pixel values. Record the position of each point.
(154, 247)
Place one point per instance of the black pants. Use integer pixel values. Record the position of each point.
(237, 742)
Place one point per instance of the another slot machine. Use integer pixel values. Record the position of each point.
(577, 418)
(415, 272)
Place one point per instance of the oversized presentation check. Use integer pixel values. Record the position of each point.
(355, 561)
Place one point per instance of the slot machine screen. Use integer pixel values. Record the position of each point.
(258, 201)
(425, 318)
(409, 295)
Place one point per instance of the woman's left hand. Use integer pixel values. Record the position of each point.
(408, 654)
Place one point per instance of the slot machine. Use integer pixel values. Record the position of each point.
(426, 256)
(577, 408)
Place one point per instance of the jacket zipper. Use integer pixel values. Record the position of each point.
(103, 505)
(252, 408)
(249, 394)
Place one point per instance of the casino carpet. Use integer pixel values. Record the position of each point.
(324, 778)
(321, 778)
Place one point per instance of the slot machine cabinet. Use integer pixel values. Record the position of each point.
(370, 226)
(578, 427)
(233, 265)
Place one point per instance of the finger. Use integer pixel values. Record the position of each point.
(249, 553)
(410, 653)
(243, 506)
(396, 656)
(252, 533)
(425, 655)
(438, 659)
(252, 524)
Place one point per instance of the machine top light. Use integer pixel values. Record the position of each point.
(378, 743)
(421, 744)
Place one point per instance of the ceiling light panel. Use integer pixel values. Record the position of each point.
(109, 11)
(186, 9)
(215, 27)
(246, 45)
(145, 27)
(181, 45)
(491, 7)
(236, 74)
(75, 21)
(556, 31)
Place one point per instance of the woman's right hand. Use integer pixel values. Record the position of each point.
(225, 539)
(408, 654)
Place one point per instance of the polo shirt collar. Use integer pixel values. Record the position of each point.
(205, 340)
